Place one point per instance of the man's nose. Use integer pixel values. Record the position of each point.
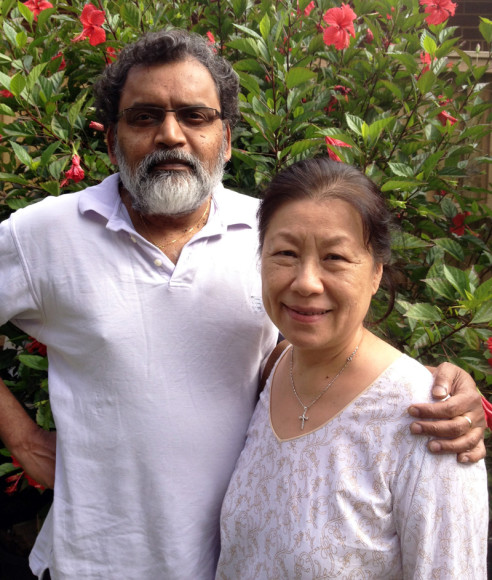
(169, 132)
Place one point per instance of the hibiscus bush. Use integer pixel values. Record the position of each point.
(381, 84)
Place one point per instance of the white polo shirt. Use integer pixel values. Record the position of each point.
(153, 370)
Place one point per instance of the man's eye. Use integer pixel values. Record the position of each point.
(194, 116)
(143, 117)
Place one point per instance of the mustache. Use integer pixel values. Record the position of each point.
(152, 160)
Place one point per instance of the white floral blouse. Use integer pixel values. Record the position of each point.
(358, 498)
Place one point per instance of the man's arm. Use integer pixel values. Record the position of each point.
(454, 433)
(33, 447)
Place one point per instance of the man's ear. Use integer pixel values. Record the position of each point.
(227, 137)
(110, 143)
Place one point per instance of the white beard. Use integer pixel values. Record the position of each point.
(169, 192)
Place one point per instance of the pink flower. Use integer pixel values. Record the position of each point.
(438, 10)
(36, 347)
(459, 223)
(487, 409)
(340, 26)
(92, 20)
(14, 480)
(75, 173)
(369, 36)
(444, 117)
(6, 94)
(489, 344)
(110, 55)
(37, 6)
(334, 143)
(425, 59)
(63, 64)
(96, 126)
(211, 38)
(309, 8)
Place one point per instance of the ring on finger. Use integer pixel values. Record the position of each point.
(468, 419)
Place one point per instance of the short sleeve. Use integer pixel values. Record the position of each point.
(16, 297)
(441, 513)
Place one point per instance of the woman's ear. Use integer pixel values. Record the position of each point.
(376, 279)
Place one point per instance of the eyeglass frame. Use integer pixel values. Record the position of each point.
(218, 114)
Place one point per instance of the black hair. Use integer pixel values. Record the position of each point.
(320, 179)
(163, 47)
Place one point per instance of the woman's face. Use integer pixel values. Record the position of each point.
(318, 276)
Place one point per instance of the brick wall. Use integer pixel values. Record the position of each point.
(467, 19)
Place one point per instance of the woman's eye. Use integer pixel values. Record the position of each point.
(289, 253)
(334, 257)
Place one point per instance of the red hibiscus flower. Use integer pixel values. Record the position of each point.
(487, 409)
(330, 141)
(92, 20)
(309, 8)
(444, 117)
(369, 36)
(14, 480)
(36, 347)
(459, 223)
(63, 64)
(438, 10)
(6, 94)
(425, 59)
(211, 38)
(96, 126)
(37, 6)
(110, 55)
(75, 173)
(340, 26)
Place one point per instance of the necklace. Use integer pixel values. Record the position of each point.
(185, 232)
(303, 418)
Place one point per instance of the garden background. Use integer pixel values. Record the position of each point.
(392, 86)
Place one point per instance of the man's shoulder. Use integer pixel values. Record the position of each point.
(235, 207)
(99, 198)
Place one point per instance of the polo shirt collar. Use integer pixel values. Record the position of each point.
(104, 199)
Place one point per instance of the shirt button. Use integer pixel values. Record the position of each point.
(133, 239)
(158, 262)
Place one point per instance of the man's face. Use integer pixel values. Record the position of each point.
(169, 168)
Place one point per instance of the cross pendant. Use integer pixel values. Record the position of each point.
(303, 418)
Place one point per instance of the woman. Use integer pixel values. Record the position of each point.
(331, 483)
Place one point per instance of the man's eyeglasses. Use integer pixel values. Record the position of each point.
(148, 116)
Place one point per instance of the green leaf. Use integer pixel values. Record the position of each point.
(484, 292)
(33, 361)
(239, 7)
(483, 314)
(265, 26)
(429, 45)
(407, 241)
(458, 279)
(74, 111)
(48, 153)
(452, 247)
(7, 468)
(426, 82)
(354, 123)
(10, 33)
(130, 14)
(13, 178)
(424, 311)
(403, 184)
(21, 39)
(401, 169)
(21, 154)
(441, 287)
(485, 28)
(34, 75)
(298, 75)
(17, 84)
(52, 187)
(246, 45)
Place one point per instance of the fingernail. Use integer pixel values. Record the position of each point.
(464, 459)
(416, 428)
(434, 446)
(439, 391)
(413, 411)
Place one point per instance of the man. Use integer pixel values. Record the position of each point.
(145, 290)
